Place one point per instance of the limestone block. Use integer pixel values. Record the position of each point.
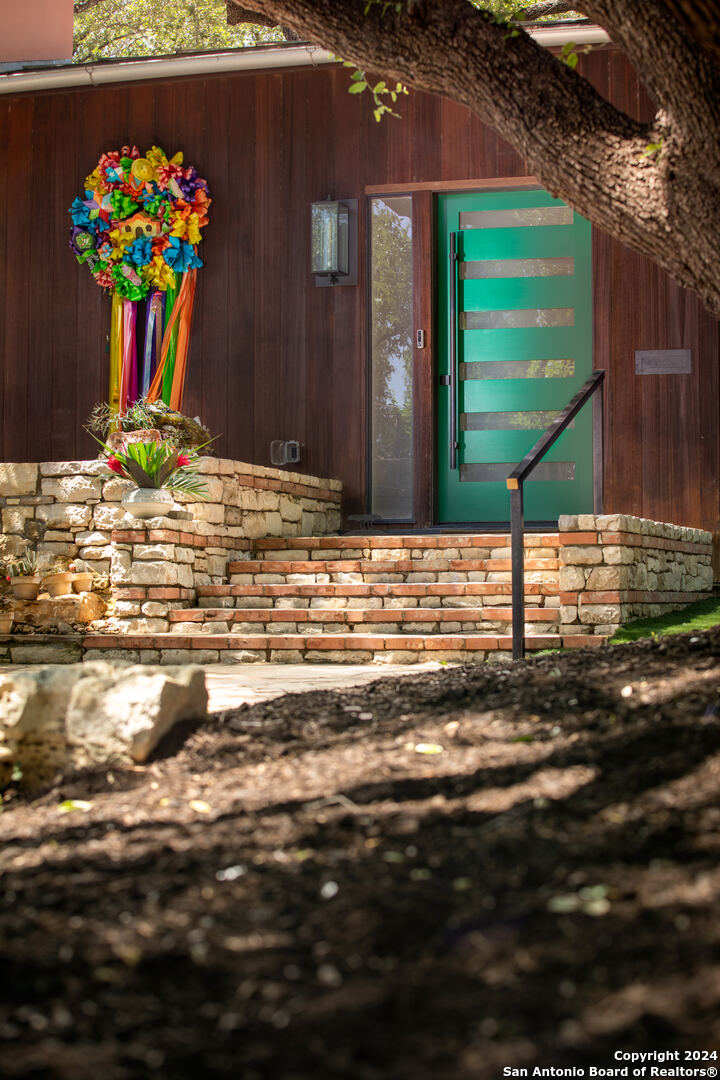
(253, 525)
(61, 652)
(581, 556)
(290, 509)
(153, 609)
(334, 520)
(216, 566)
(211, 512)
(599, 613)
(87, 538)
(209, 466)
(122, 715)
(120, 567)
(153, 551)
(64, 515)
(110, 517)
(190, 656)
(151, 573)
(185, 555)
(18, 478)
(146, 626)
(185, 576)
(614, 554)
(248, 499)
(93, 554)
(124, 657)
(571, 578)
(306, 523)
(568, 523)
(603, 578)
(319, 523)
(11, 546)
(586, 522)
(273, 523)
(70, 610)
(250, 656)
(114, 489)
(73, 489)
(92, 467)
(568, 613)
(126, 608)
(14, 518)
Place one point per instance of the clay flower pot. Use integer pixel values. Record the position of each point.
(82, 582)
(6, 623)
(58, 584)
(148, 502)
(26, 587)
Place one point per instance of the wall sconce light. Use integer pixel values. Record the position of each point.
(333, 245)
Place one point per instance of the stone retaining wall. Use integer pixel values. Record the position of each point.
(72, 509)
(615, 568)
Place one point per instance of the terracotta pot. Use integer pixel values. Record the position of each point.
(25, 588)
(58, 584)
(6, 623)
(82, 582)
(148, 502)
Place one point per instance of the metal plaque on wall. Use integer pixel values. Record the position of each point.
(663, 361)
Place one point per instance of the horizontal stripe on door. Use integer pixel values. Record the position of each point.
(480, 269)
(518, 369)
(532, 420)
(516, 219)
(516, 318)
(489, 472)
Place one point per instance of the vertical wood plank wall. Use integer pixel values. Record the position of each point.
(272, 356)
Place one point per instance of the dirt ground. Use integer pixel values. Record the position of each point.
(441, 876)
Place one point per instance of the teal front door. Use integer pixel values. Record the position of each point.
(515, 318)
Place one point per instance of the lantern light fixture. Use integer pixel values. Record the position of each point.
(330, 240)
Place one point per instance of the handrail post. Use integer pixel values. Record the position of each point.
(517, 530)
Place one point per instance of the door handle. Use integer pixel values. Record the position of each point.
(453, 353)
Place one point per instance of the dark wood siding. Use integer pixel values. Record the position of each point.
(273, 356)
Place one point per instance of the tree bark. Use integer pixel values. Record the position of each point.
(654, 187)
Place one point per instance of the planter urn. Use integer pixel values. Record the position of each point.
(82, 582)
(148, 502)
(58, 584)
(25, 588)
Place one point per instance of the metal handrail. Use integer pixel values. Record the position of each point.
(515, 483)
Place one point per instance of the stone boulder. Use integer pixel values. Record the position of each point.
(56, 720)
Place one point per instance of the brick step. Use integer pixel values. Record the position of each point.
(374, 595)
(416, 620)
(259, 572)
(319, 648)
(418, 547)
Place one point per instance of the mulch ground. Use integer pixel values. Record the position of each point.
(439, 876)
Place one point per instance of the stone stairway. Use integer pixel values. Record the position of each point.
(356, 599)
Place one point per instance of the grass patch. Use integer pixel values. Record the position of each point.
(698, 616)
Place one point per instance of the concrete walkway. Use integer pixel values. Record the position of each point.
(232, 685)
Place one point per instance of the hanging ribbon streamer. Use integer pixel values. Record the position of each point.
(183, 344)
(115, 354)
(172, 301)
(128, 374)
(137, 229)
(153, 339)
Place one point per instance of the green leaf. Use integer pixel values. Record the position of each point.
(357, 87)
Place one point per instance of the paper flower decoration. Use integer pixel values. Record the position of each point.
(139, 221)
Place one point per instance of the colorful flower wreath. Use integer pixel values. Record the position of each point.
(140, 221)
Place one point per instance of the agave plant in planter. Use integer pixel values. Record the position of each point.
(23, 577)
(157, 470)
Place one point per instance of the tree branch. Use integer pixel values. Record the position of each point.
(548, 7)
(237, 14)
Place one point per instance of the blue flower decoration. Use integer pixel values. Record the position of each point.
(180, 256)
(79, 213)
(140, 251)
